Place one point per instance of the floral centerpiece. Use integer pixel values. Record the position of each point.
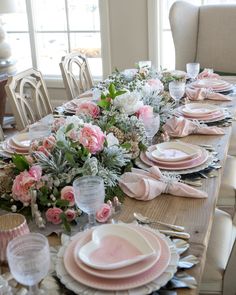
(102, 139)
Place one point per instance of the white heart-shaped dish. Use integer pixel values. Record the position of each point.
(115, 246)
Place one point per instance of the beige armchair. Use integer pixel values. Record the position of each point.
(219, 272)
(205, 34)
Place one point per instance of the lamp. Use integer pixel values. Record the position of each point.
(6, 6)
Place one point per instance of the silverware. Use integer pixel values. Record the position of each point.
(146, 220)
(192, 182)
(171, 233)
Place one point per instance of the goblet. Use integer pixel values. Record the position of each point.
(177, 89)
(193, 69)
(89, 195)
(151, 125)
(29, 260)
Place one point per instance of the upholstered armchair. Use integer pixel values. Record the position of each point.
(205, 34)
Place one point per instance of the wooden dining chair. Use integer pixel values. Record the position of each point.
(76, 74)
(28, 96)
(219, 272)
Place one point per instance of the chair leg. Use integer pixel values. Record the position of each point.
(229, 283)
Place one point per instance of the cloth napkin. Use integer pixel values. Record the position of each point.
(204, 93)
(143, 185)
(207, 74)
(180, 127)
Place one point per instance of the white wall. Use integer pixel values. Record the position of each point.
(128, 32)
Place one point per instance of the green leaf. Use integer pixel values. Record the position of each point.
(126, 145)
(104, 104)
(60, 144)
(120, 92)
(69, 127)
(65, 222)
(112, 90)
(70, 159)
(62, 203)
(20, 162)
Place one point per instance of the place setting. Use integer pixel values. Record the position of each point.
(173, 156)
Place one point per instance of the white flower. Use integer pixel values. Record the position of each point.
(75, 120)
(153, 85)
(111, 139)
(128, 102)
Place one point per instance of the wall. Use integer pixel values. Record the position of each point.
(128, 32)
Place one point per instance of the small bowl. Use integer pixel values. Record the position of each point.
(11, 225)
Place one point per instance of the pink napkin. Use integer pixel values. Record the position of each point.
(204, 93)
(145, 186)
(88, 93)
(207, 74)
(180, 127)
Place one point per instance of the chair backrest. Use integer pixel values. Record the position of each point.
(76, 74)
(205, 34)
(28, 96)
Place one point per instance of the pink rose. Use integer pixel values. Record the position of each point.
(88, 108)
(70, 214)
(155, 84)
(145, 112)
(67, 193)
(49, 142)
(92, 138)
(103, 213)
(24, 181)
(53, 215)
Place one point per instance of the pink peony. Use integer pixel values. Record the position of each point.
(88, 108)
(103, 213)
(145, 112)
(92, 138)
(70, 214)
(53, 215)
(24, 181)
(49, 142)
(155, 84)
(67, 193)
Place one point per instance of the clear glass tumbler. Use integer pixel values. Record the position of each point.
(151, 125)
(177, 90)
(29, 260)
(89, 196)
(193, 69)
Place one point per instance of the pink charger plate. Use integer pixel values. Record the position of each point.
(124, 272)
(175, 166)
(200, 116)
(202, 154)
(116, 284)
(13, 146)
(10, 150)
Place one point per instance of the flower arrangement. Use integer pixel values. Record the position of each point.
(101, 139)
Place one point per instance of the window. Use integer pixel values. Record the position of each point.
(167, 55)
(45, 30)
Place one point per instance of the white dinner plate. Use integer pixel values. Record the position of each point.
(174, 151)
(115, 246)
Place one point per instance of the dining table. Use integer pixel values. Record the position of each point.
(195, 214)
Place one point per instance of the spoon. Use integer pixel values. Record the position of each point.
(145, 219)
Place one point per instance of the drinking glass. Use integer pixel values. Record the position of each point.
(193, 69)
(177, 89)
(151, 125)
(29, 260)
(89, 196)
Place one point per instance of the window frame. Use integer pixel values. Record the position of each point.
(56, 80)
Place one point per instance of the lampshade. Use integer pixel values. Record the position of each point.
(7, 6)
